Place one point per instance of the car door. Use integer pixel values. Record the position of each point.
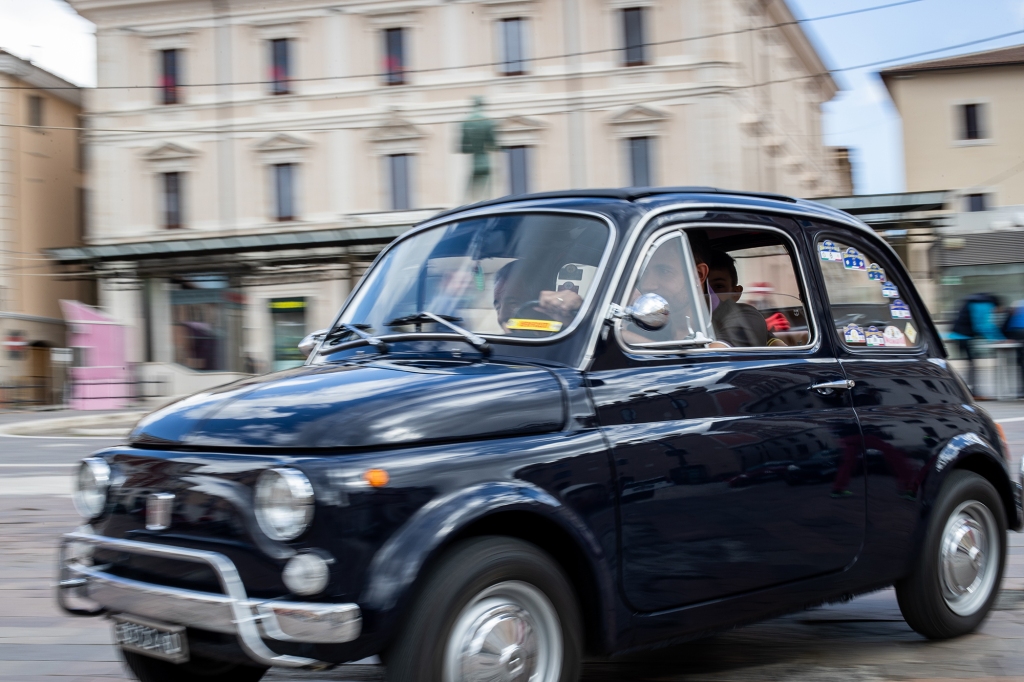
(905, 396)
(726, 460)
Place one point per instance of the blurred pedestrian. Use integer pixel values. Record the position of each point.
(1013, 329)
(976, 321)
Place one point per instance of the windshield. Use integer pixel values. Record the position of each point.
(525, 275)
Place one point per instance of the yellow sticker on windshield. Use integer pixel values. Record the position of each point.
(534, 325)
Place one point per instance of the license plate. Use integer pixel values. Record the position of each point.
(159, 640)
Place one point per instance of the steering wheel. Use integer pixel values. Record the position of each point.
(532, 314)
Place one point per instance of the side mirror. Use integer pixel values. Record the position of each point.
(310, 341)
(649, 312)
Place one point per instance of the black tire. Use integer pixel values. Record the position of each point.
(460, 583)
(928, 606)
(147, 669)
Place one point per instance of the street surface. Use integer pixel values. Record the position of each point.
(863, 640)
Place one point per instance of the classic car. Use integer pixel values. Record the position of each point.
(519, 444)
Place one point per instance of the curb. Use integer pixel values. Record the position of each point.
(112, 425)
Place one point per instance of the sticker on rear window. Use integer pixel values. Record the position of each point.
(911, 334)
(894, 337)
(853, 334)
(828, 251)
(889, 290)
(875, 273)
(875, 337)
(900, 310)
(852, 260)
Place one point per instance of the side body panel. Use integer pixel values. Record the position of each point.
(911, 406)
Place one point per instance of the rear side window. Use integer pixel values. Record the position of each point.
(868, 308)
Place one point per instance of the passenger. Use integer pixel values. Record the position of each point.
(739, 324)
(512, 291)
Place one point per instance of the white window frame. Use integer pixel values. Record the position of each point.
(957, 110)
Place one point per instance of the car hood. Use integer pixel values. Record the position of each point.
(383, 403)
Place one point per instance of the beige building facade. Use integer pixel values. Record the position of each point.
(961, 126)
(41, 195)
(343, 118)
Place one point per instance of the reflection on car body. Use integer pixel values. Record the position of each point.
(529, 427)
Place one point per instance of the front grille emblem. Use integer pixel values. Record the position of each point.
(158, 511)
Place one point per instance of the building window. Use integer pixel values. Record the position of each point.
(83, 207)
(35, 110)
(634, 36)
(284, 191)
(280, 66)
(977, 202)
(513, 49)
(394, 56)
(972, 125)
(518, 169)
(639, 154)
(171, 186)
(170, 75)
(398, 181)
(289, 321)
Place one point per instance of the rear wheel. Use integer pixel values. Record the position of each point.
(493, 610)
(147, 669)
(957, 576)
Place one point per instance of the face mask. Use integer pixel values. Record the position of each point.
(713, 299)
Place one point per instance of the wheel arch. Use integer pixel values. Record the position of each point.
(512, 509)
(971, 452)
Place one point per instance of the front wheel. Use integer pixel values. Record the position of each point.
(147, 669)
(957, 576)
(493, 609)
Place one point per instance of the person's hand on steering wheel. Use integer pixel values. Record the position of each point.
(560, 305)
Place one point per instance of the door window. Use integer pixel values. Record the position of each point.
(868, 308)
(746, 280)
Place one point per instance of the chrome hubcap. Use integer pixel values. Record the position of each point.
(507, 633)
(969, 557)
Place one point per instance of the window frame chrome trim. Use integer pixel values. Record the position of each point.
(694, 207)
(581, 315)
(667, 349)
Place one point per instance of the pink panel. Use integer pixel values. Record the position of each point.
(104, 381)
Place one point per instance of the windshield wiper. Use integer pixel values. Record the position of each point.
(449, 321)
(356, 330)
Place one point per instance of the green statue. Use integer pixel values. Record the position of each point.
(479, 140)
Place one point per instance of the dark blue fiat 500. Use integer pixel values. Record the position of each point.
(558, 424)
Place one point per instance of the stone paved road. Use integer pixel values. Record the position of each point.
(864, 640)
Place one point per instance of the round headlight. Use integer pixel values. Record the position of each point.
(91, 484)
(284, 503)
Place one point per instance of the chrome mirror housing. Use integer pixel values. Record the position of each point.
(649, 312)
(310, 341)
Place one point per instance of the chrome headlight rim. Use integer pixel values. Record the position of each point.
(91, 503)
(301, 503)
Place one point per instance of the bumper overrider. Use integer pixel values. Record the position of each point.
(251, 620)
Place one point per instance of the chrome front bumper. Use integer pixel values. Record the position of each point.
(251, 620)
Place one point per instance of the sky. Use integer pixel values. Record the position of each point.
(861, 116)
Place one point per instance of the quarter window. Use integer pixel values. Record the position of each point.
(868, 308)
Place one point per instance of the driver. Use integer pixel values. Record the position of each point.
(512, 291)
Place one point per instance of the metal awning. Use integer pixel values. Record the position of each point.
(199, 247)
(903, 202)
(988, 248)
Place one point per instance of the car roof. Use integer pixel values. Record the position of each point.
(650, 198)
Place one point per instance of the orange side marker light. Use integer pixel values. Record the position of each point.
(377, 478)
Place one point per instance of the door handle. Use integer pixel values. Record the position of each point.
(830, 387)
